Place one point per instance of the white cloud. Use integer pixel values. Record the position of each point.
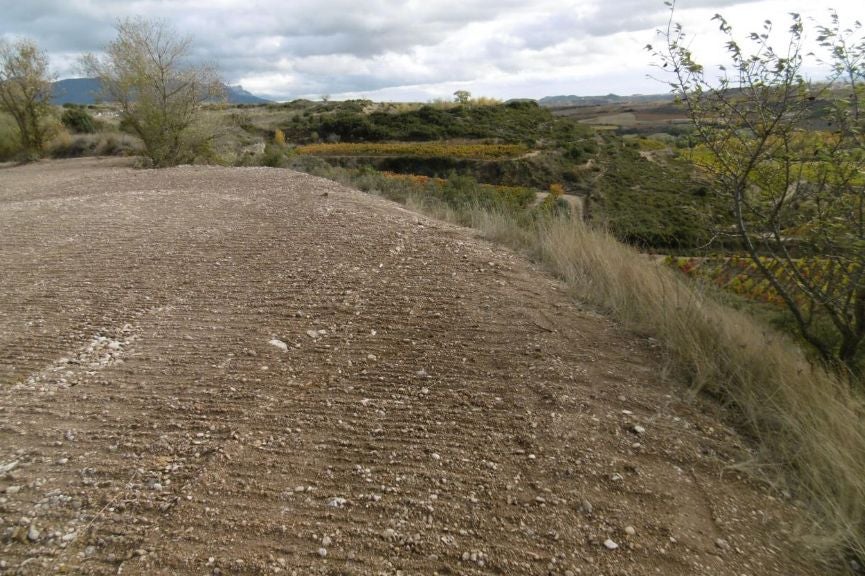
(414, 49)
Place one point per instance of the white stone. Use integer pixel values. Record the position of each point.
(279, 344)
(33, 533)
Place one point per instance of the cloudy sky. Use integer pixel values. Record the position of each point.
(411, 49)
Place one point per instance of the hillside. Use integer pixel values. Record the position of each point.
(251, 370)
(571, 100)
(85, 91)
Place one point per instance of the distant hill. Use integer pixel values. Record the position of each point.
(86, 91)
(558, 101)
(75, 91)
(237, 95)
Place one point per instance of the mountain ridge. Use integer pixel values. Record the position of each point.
(84, 91)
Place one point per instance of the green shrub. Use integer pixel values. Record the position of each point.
(514, 122)
(10, 142)
(275, 156)
(575, 152)
(655, 204)
(78, 120)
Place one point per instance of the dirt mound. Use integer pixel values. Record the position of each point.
(254, 371)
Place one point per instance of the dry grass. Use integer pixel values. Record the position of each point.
(65, 145)
(807, 427)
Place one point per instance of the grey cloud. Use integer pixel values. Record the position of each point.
(339, 46)
(604, 18)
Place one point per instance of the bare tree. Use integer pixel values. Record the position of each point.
(25, 92)
(789, 156)
(147, 70)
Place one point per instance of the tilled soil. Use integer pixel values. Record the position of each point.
(255, 371)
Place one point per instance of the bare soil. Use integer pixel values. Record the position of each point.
(255, 371)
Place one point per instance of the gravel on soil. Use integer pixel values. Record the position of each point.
(227, 371)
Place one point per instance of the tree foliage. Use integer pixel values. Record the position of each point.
(77, 119)
(462, 96)
(514, 122)
(25, 92)
(789, 157)
(147, 70)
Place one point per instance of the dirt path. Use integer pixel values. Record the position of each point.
(254, 371)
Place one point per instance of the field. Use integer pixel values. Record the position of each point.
(635, 176)
(608, 335)
(741, 276)
(362, 388)
(645, 117)
(544, 182)
(517, 144)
